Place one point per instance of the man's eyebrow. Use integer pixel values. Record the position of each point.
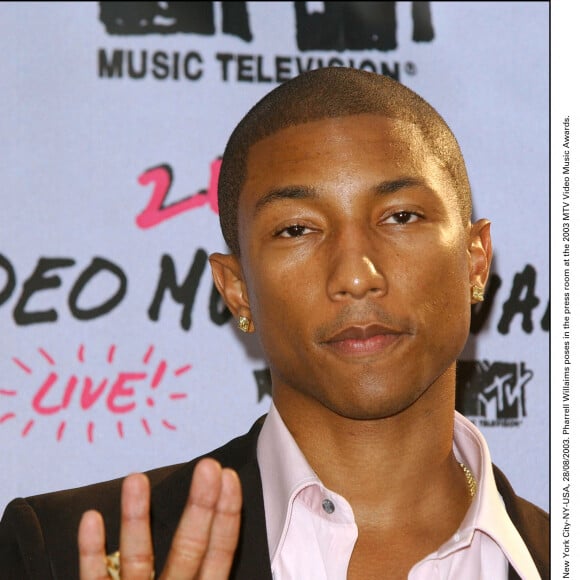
(290, 192)
(306, 192)
(395, 185)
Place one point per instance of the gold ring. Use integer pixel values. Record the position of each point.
(113, 562)
(114, 565)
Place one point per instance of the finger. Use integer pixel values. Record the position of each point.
(225, 529)
(91, 539)
(191, 538)
(135, 544)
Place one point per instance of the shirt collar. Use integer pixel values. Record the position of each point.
(487, 512)
(284, 471)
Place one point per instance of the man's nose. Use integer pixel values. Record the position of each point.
(354, 270)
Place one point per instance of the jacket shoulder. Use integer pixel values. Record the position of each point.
(532, 522)
(38, 534)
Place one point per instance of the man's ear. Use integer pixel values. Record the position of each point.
(229, 280)
(481, 252)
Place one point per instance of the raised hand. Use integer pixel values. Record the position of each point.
(204, 543)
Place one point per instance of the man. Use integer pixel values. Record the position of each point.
(346, 205)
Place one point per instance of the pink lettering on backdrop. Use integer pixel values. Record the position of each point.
(89, 396)
(38, 399)
(157, 211)
(120, 393)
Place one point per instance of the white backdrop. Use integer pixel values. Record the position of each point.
(101, 370)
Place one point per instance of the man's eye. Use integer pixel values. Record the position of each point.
(402, 217)
(293, 231)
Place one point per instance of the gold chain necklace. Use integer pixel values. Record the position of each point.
(471, 481)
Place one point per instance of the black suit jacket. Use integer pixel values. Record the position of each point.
(38, 535)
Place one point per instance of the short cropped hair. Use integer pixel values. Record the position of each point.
(322, 94)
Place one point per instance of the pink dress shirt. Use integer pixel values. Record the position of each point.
(312, 531)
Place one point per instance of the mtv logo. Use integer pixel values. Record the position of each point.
(134, 18)
(357, 25)
(492, 391)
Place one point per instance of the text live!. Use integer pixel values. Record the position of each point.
(52, 390)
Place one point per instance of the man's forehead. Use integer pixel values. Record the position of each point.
(363, 130)
(292, 163)
(343, 122)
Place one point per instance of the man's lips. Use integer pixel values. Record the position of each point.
(363, 339)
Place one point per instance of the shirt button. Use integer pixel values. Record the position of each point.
(328, 506)
(457, 537)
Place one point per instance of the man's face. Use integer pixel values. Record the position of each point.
(356, 264)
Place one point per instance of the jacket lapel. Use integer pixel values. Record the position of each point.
(252, 557)
(532, 523)
(168, 497)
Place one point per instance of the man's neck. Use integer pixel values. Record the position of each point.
(384, 466)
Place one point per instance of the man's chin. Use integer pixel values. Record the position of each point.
(371, 409)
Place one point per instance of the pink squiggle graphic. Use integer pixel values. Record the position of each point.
(7, 392)
(120, 430)
(148, 354)
(27, 428)
(168, 425)
(158, 377)
(162, 178)
(26, 369)
(46, 356)
(182, 370)
(111, 354)
(6, 417)
(146, 426)
(90, 432)
(176, 396)
(81, 353)
(60, 431)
